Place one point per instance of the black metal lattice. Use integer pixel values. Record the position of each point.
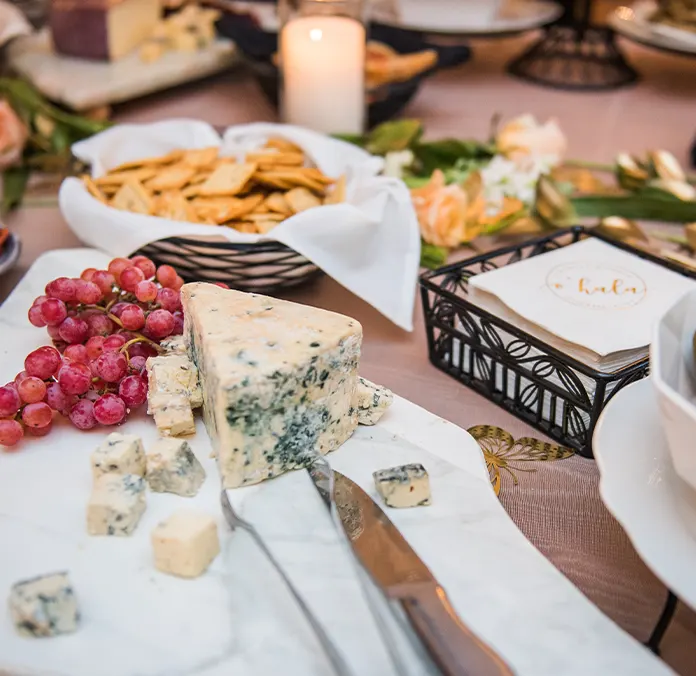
(555, 393)
(264, 267)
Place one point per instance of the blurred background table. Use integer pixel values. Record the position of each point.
(558, 506)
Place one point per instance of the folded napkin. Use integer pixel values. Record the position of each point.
(13, 23)
(370, 244)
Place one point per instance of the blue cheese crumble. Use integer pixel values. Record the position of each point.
(44, 606)
(404, 486)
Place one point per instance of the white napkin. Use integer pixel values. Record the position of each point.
(590, 293)
(370, 244)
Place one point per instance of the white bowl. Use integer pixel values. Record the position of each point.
(674, 377)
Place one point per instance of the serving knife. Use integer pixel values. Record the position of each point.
(403, 578)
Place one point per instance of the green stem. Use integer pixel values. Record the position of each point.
(635, 207)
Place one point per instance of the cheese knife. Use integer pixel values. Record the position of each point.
(404, 579)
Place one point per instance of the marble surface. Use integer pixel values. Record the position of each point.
(237, 618)
(81, 84)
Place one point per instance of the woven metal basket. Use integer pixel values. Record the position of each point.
(262, 267)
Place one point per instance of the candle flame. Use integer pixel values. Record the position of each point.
(316, 34)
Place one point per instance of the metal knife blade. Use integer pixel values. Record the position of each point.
(405, 579)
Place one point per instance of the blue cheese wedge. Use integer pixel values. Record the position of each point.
(185, 544)
(278, 379)
(44, 606)
(116, 504)
(173, 393)
(173, 468)
(174, 345)
(371, 401)
(405, 486)
(119, 454)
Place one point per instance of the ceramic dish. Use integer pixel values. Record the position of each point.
(623, 21)
(641, 489)
(9, 253)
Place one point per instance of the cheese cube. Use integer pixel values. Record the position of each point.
(44, 606)
(173, 391)
(405, 486)
(173, 468)
(102, 29)
(116, 504)
(278, 379)
(185, 544)
(119, 454)
(371, 401)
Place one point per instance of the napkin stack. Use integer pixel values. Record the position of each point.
(590, 300)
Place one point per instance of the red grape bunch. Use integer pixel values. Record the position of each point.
(104, 326)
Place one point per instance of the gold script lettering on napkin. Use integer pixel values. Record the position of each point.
(590, 295)
(597, 286)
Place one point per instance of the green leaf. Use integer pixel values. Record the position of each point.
(355, 139)
(27, 101)
(61, 139)
(446, 153)
(432, 256)
(416, 181)
(14, 183)
(393, 136)
(635, 207)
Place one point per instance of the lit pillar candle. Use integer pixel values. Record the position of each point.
(323, 60)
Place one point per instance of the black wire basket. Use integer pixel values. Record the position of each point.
(555, 393)
(262, 267)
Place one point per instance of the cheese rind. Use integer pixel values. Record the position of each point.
(172, 467)
(404, 486)
(116, 504)
(185, 544)
(44, 606)
(119, 454)
(278, 379)
(371, 401)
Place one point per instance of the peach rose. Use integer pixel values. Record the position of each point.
(447, 214)
(13, 136)
(524, 136)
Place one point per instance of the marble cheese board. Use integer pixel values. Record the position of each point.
(81, 84)
(237, 618)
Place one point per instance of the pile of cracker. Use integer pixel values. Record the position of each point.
(200, 186)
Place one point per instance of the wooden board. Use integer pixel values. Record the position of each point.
(81, 84)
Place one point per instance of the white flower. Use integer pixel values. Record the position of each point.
(395, 162)
(524, 136)
(504, 178)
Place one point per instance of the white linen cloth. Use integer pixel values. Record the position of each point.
(370, 244)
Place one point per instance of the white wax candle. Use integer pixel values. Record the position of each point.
(323, 60)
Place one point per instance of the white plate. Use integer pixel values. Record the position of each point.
(645, 9)
(9, 253)
(236, 618)
(640, 488)
(625, 20)
(439, 16)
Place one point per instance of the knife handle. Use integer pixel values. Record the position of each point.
(455, 650)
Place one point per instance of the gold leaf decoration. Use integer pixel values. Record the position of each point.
(500, 449)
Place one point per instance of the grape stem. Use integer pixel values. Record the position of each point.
(140, 338)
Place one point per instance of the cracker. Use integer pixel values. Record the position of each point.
(293, 177)
(174, 206)
(338, 194)
(249, 228)
(283, 145)
(132, 196)
(273, 158)
(94, 190)
(149, 161)
(203, 157)
(300, 199)
(264, 227)
(276, 202)
(258, 218)
(228, 179)
(121, 177)
(171, 178)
